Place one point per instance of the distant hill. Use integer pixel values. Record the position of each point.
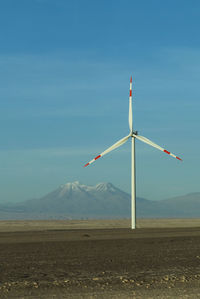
(181, 206)
(103, 201)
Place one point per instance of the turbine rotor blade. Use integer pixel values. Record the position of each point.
(130, 117)
(112, 147)
(149, 142)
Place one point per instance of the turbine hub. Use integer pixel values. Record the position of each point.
(135, 132)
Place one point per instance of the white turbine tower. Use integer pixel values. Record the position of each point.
(133, 134)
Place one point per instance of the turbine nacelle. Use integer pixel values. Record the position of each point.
(134, 133)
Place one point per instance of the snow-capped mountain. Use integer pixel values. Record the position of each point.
(78, 201)
(75, 200)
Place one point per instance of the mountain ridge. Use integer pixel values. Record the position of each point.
(74, 200)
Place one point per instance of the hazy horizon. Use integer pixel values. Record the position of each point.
(94, 185)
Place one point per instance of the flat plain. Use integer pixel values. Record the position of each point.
(100, 259)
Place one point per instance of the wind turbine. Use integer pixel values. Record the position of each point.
(133, 135)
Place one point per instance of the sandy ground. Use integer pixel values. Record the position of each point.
(38, 225)
(100, 259)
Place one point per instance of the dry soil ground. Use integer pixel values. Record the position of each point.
(88, 259)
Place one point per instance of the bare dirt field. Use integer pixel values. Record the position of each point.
(100, 259)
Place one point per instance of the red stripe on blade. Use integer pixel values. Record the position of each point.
(87, 164)
(131, 79)
(167, 152)
(97, 157)
(179, 158)
(130, 93)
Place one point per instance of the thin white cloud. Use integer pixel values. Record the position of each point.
(64, 151)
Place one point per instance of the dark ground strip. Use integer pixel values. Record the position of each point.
(74, 263)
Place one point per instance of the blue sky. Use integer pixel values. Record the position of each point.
(65, 68)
